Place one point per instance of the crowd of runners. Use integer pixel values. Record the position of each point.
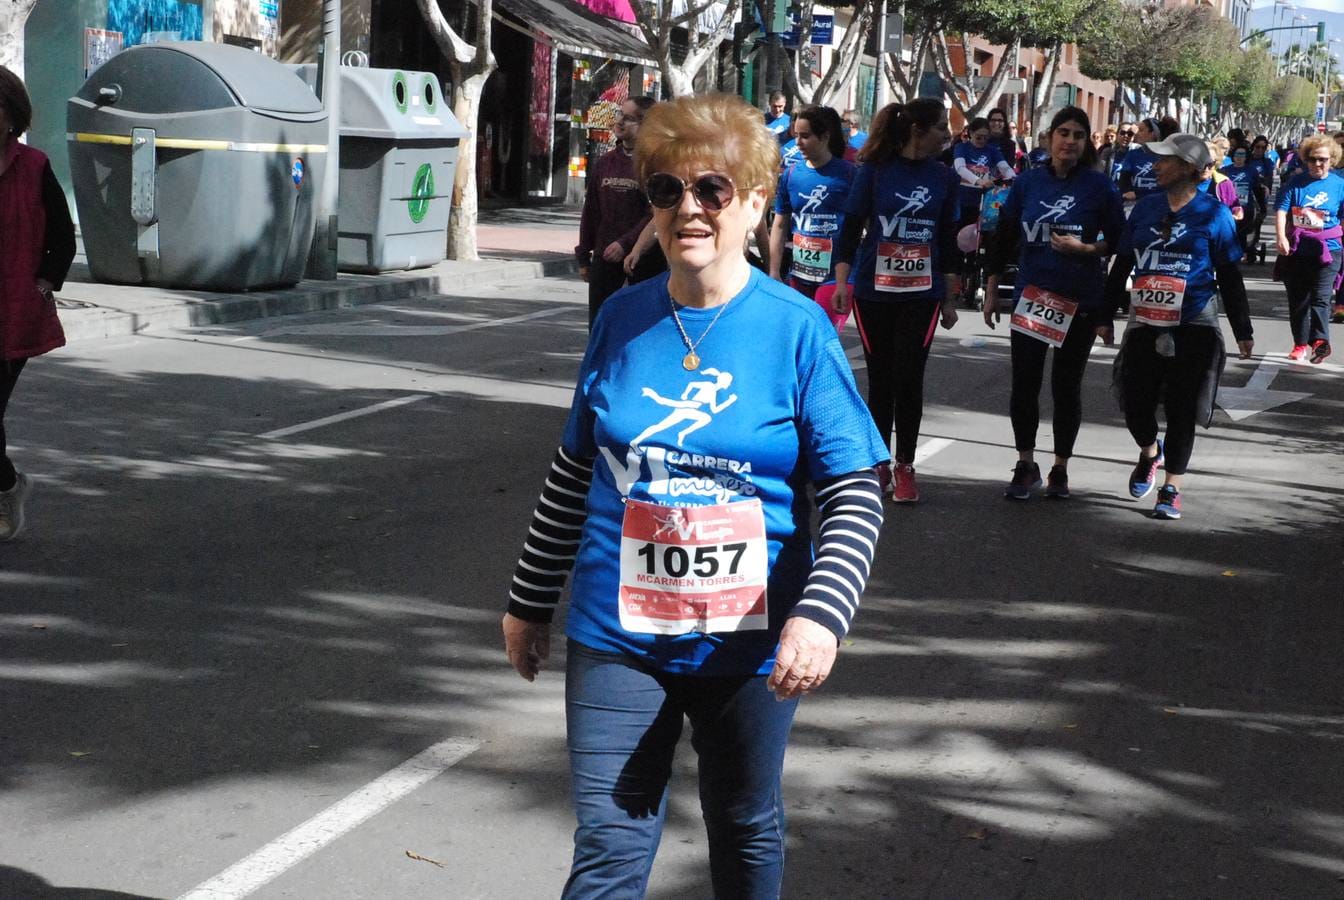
(901, 226)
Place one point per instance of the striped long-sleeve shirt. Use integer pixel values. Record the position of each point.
(851, 520)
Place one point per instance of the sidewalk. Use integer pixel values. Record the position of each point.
(514, 244)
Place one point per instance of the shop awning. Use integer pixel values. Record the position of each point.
(579, 31)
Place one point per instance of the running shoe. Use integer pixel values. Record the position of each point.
(905, 490)
(1026, 478)
(1144, 476)
(1319, 351)
(884, 477)
(1338, 316)
(1299, 352)
(1168, 503)
(1057, 483)
(11, 508)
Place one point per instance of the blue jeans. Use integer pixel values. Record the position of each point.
(623, 722)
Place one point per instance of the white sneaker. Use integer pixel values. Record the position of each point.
(11, 508)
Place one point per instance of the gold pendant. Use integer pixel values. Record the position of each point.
(690, 362)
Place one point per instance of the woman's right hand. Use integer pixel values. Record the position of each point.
(631, 260)
(840, 301)
(1282, 243)
(528, 644)
(991, 305)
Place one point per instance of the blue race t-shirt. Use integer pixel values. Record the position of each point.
(857, 138)
(1314, 203)
(814, 200)
(771, 408)
(1139, 163)
(1243, 179)
(1085, 205)
(1038, 157)
(1186, 246)
(780, 126)
(983, 161)
(789, 155)
(906, 206)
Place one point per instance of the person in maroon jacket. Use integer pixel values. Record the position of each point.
(614, 211)
(37, 244)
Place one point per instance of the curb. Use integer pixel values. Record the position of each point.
(92, 311)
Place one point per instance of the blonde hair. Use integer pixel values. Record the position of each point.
(717, 132)
(1317, 141)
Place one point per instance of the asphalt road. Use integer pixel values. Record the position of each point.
(251, 639)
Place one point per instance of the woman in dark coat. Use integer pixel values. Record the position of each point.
(38, 246)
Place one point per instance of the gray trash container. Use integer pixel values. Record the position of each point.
(399, 145)
(196, 165)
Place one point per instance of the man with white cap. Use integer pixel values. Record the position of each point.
(1181, 246)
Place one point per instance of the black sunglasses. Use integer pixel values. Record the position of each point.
(713, 192)
(1126, 133)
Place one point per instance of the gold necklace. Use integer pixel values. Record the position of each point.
(690, 362)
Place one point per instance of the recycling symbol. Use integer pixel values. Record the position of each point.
(422, 190)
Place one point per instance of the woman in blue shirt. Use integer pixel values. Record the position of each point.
(1308, 233)
(1181, 247)
(1244, 179)
(711, 402)
(1137, 177)
(978, 163)
(904, 205)
(810, 201)
(1064, 217)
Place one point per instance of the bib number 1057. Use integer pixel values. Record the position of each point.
(691, 569)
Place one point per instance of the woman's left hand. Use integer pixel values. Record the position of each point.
(1067, 243)
(949, 314)
(803, 663)
(1244, 349)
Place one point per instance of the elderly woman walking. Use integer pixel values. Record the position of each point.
(37, 244)
(710, 403)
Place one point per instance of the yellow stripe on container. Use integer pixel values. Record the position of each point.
(123, 140)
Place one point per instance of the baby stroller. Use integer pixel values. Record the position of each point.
(974, 242)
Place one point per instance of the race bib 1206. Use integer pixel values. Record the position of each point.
(903, 268)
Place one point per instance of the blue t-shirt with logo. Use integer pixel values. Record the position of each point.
(857, 138)
(1243, 179)
(1038, 157)
(814, 200)
(1324, 196)
(983, 161)
(1189, 244)
(771, 408)
(789, 155)
(1264, 170)
(908, 208)
(1139, 163)
(1085, 205)
(780, 126)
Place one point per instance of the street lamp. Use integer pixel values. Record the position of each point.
(1274, 42)
(1296, 62)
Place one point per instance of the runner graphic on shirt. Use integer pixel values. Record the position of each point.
(1057, 209)
(698, 405)
(915, 202)
(1317, 200)
(1177, 232)
(814, 199)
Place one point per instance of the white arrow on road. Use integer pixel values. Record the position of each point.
(1256, 397)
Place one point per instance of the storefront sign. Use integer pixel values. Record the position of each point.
(823, 31)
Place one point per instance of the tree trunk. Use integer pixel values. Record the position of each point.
(470, 67)
(976, 102)
(845, 60)
(13, 15)
(904, 88)
(1043, 101)
(657, 28)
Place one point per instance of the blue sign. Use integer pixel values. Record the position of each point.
(823, 30)
(297, 171)
(270, 8)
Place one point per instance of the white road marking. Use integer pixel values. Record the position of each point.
(341, 417)
(1256, 397)
(375, 329)
(279, 855)
(929, 448)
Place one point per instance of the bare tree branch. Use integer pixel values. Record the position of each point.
(448, 40)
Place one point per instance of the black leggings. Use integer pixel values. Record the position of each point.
(9, 374)
(1066, 385)
(1148, 378)
(896, 338)
(604, 279)
(1311, 291)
